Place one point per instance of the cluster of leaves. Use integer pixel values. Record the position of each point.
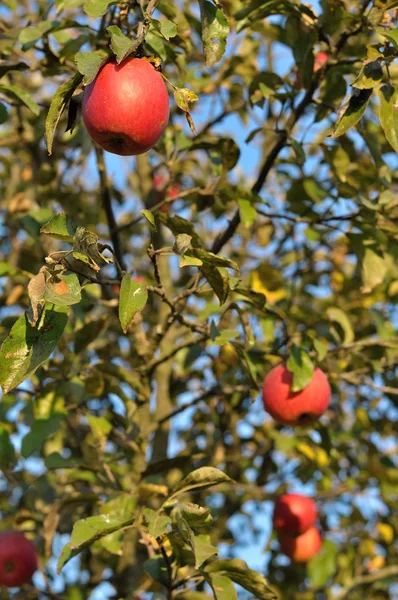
(281, 246)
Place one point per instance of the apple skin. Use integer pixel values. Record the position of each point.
(294, 514)
(295, 408)
(320, 59)
(18, 559)
(126, 107)
(302, 548)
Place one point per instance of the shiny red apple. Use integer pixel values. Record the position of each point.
(18, 559)
(302, 548)
(295, 408)
(126, 107)
(294, 514)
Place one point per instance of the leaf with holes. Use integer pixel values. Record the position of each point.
(215, 30)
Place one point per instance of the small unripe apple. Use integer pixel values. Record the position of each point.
(295, 408)
(126, 107)
(302, 548)
(18, 559)
(294, 514)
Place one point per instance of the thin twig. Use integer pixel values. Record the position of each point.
(107, 205)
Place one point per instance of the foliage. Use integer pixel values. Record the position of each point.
(138, 321)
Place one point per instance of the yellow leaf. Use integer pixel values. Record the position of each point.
(386, 532)
(272, 295)
(306, 450)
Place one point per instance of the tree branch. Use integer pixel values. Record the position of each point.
(367, 579)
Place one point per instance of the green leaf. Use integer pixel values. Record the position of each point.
(203, 549)
(166, 28)
(15, 92)
(239, 572)
(56, 461)
(202, 478)
(390, 34)
(121, 45)
(247, 212)
(352, 111)
(217, 281)
(262, 86)
(61, 227)
(215, 30)
(7, 452)
(323, 565)
(370, 75)
(65, 4)
(321, 348)
(189, 261)
(208, 258)
(86, 531)
(157, 524)
(27, 347)
(89, 333)
(40, 431)
(157, 569)
(374, 270)
(389, 114)
(99, 426)
(299, 152)
(302, 367)
(150, 217)
(222, 587)
(196, 596)
(88, 64)
(132, 299)
(57, 107)
(96, 8)
(196, 516)
(65, 290)
(29, 36)
(338, 315)
(3, 114)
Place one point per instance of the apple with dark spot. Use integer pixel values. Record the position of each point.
(18, 559)
(126, 107)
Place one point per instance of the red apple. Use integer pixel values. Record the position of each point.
(302, 548)
(294, 514)
(295, 408)
(126, 107)
(18, 559)
(320, 59)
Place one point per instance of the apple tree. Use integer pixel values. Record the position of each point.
(145, 299)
